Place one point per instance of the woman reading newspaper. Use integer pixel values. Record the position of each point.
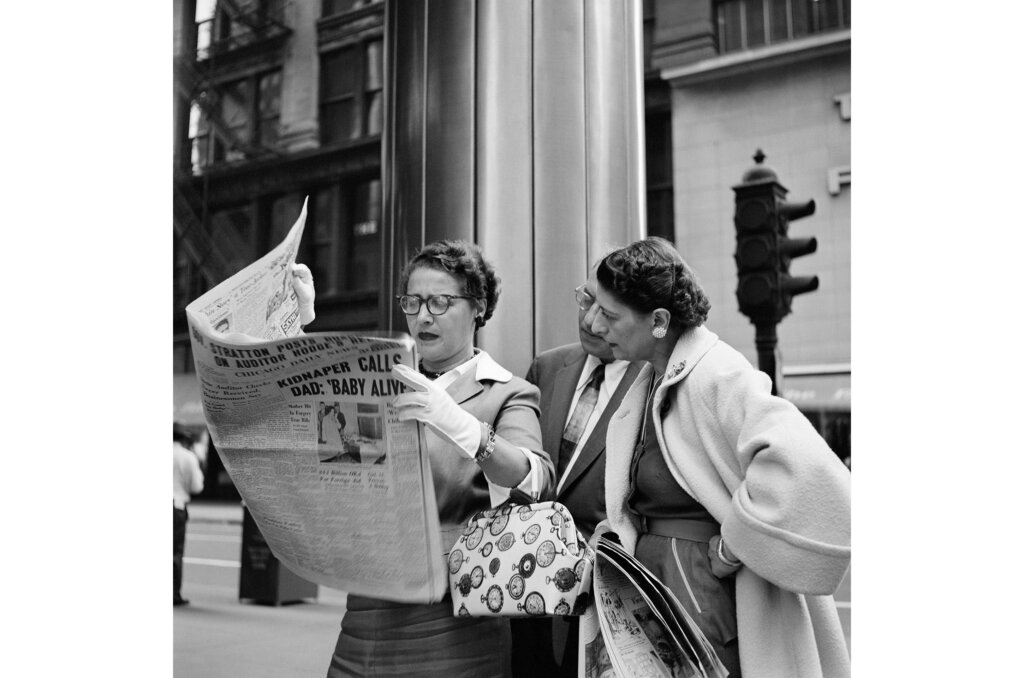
(483, 438)
(724, 491)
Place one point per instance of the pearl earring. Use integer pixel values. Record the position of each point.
(659, 332)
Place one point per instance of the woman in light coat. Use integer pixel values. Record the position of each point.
(724, 491)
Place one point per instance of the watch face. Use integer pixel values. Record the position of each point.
(527, 565)
(486, 550)
(546, 553)
(494, 598)
(498, 524)
(531, 534)
(477, 576)
(516, 586)
(525, 513)
(565, 579)
(454, 561)
(534, 604)
(562, 608)
(494, 566)
(505, 541)
(464, 585)
(473, 540)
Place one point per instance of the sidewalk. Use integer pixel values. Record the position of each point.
(215, 512)
(217, 636)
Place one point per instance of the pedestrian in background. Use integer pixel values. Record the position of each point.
(724, 491)
(188, 480)
(581, 385)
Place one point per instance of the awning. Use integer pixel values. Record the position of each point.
(188, 406)
(818, 391)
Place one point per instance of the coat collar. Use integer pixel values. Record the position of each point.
(471, 381)
(689, 349)
(489, 370)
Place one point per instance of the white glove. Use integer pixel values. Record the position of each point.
(432, 405)
(302, 283)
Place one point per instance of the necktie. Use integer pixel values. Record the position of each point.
(578, 420)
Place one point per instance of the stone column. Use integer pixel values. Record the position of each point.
(517, 124)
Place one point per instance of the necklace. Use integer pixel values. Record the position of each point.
(434, 375)
(428, 374)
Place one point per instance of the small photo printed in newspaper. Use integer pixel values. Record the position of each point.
(350, 433)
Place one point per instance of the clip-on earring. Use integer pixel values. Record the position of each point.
(659, 332)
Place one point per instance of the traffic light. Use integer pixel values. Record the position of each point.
(764, 250)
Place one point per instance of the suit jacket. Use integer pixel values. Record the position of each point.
(541, 647)
(556, 373)
(509, 404)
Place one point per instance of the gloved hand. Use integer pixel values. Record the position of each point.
(431, 404)
(302, 283)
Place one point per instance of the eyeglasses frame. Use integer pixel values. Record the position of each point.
(426, 302)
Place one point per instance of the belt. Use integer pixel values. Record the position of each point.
(679, 528)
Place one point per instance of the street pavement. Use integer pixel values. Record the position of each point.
(217, 636)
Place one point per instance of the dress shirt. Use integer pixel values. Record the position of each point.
(613, 373)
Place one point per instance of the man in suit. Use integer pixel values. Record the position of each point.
(581, 385)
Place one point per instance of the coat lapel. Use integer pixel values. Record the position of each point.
(561, 397)
(688, 351)
(595, 444)
(465, 387)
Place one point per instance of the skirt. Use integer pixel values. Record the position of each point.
(385, 638)
(684, 567)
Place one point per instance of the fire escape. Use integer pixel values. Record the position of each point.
(239, 30)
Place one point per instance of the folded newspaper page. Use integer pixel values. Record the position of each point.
(641, 629)
(305, 425)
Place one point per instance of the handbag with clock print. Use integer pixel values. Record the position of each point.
(525, 560)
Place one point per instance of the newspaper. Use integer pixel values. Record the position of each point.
(305, 425)
(640, 630)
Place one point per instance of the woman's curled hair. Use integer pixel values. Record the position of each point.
(650, 274)
(465, 262)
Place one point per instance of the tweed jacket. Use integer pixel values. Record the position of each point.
(556, 373)
(781, 495)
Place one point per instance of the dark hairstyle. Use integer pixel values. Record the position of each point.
(463, 261)
(650, 274)
(181, 436)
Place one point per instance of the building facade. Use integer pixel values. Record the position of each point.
(774, 75)
(276, 100)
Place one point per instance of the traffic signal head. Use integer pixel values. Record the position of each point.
(763, 249)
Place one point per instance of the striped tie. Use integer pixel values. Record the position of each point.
(580, 417)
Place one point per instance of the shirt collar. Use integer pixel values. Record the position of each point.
(613, 371)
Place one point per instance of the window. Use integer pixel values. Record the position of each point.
(660, 209)
(268, 107)
(234, 110)
(745, 24)
(351, 92)
(232, 232)
(229, 121)
(346, 237)
(229, 26)
(332, 7)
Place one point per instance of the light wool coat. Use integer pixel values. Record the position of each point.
(780, 494)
